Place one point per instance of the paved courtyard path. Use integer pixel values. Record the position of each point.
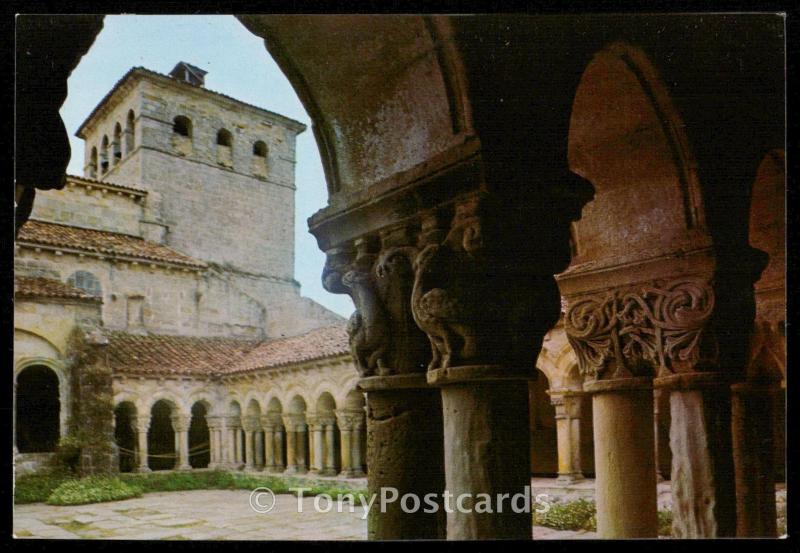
(203, 515)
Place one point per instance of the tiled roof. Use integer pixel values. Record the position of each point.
(145, 71)
(103, 242)
(316, 344)
(41, 287)
(155, 354)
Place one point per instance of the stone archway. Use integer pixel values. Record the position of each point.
(125, 421)
(199, 436)
(162, 453)
(38, 409)
(275, 434)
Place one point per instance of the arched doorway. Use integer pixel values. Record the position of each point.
(125, 435)
(38, 410)
(297, 436)
(199, 437)
(544, 449)
(161, 437)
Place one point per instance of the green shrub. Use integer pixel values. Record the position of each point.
(36, 488)
(582, 515)
(94, 489)
(574, 515)
(665, 523)
(68, 453)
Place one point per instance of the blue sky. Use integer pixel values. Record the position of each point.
(229, 52)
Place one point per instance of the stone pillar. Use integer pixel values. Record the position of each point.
(395, 404)
(486, 447)
(625, 481)
(279, 465)
(656, 439)
(753, 454)
(329, 464)
(567, 404)
(345, 434)
(318, 459)
(356, 456)
(180, 424)
(213, 441)
(301, 446)
(291, 444)
(142, 427)
(703, 492)
(269, 443)
(251, 426)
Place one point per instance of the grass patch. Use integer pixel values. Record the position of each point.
(94, 489)
(36, 488)
(62, 488)
(23, 534)
(221, 480)
(581, 514)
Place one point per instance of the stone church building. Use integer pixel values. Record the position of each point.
(209, 344)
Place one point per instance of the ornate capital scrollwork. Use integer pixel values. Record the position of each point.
(657, 327)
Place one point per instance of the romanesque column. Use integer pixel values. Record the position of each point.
(279, 465)
(213, 441)
(301, 446)
(235, 442)
(317, 459)
(291, 444)
(329, 465)
(180, 424)
(567, 404)
(357, 470)
(346, 435)
(656, 439)
(251, 426)
(390, 354)
(484, 310)
(142, 427)
(269, 442)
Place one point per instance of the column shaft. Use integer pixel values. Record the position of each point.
(754, 461)
(301, 445)
(329, 468)
(319, 449)
(142, 436)
(269, 449)
(279, 465)
(291, 458)
(487, 451)
(625, 484)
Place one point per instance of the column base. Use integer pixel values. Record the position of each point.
(571, 478)
(276, 469)
(353, 473)
(142, 469)
(183, 467)
(327, 472)
(251, 468)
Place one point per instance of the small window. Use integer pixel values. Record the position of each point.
(93, 163)
(87, 282)
(224, 138)
(117, 143)
(260, 149)
(104, 155)
(182, 125)
(130, 132)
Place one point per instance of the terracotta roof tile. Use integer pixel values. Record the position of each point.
(316, 344)
(79, 180)
(99, 241)
(155, 354)
(41, 287)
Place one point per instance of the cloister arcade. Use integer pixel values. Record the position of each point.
(480, 170)
(317, 432)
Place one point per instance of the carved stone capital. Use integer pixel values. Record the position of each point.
(251, 423)
(477, 299)
(659, 328)
(142, 423)
(350, 420)
(180, 423)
